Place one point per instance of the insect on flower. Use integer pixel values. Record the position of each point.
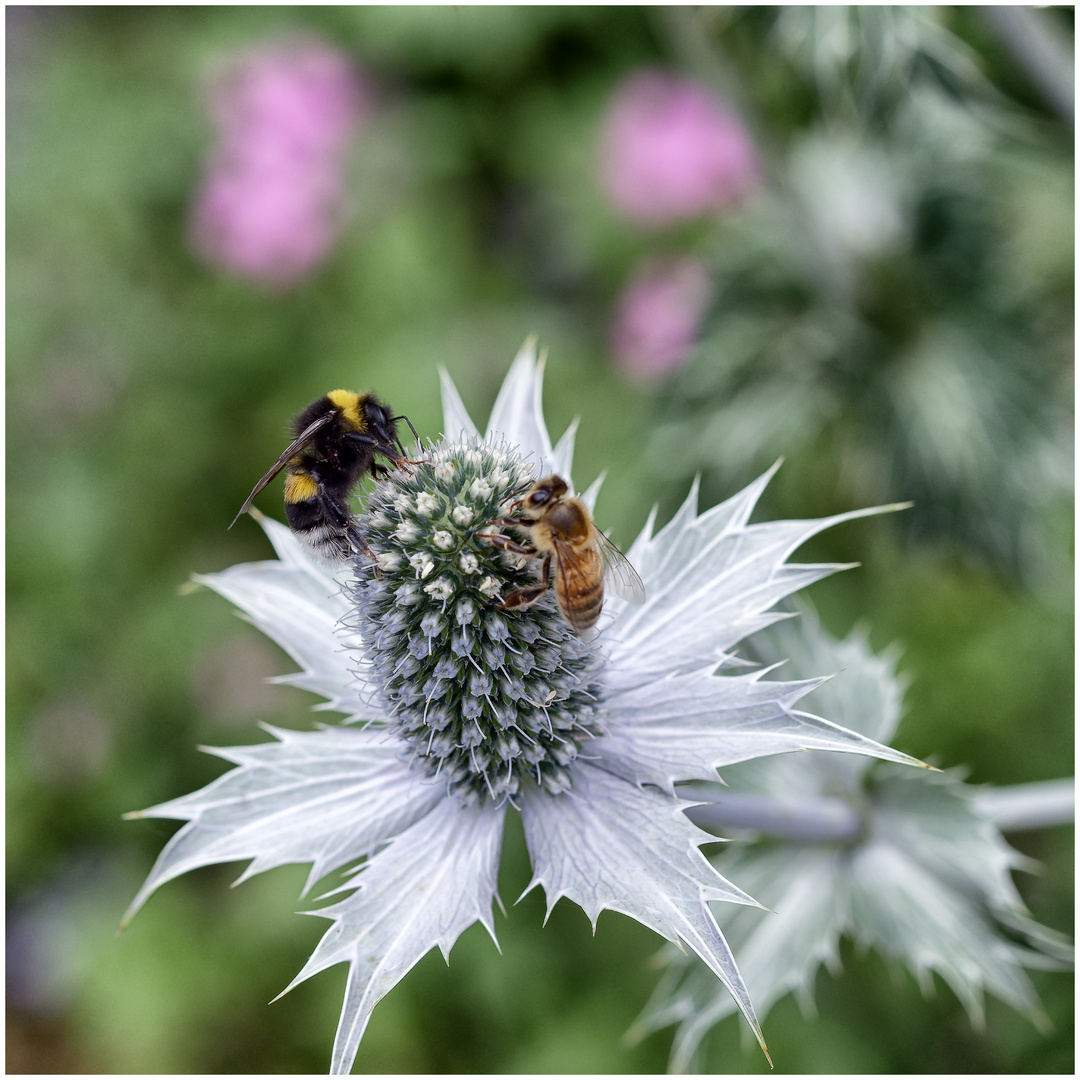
(337, 440)
(562, 529)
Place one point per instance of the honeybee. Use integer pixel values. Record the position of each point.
(337, 440)
(560, 528)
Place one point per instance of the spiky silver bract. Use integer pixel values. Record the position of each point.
(602, 730)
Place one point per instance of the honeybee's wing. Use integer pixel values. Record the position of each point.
(579, 572)
(622, 576)
(298, 443)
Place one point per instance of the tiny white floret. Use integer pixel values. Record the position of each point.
(441, 589)
(426, 503)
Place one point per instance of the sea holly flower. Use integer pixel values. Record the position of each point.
(458, 713)
(905, 861)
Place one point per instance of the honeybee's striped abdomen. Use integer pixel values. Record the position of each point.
(579, 588)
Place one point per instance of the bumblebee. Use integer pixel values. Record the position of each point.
(562, 530)
(337, 440)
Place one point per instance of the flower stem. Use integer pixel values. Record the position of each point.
(1029, 806)
(807, 819)
(824, 820)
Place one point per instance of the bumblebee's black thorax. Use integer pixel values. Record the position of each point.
(336, 441)
(340, 452)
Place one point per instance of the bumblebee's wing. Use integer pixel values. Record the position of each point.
(298, 443)
(618, 571)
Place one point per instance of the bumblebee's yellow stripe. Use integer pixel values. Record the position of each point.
(349, 404)
(300, 488)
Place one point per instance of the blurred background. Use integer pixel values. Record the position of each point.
(839, 235)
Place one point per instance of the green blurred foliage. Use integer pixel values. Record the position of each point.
(145, 395)
(892, 308)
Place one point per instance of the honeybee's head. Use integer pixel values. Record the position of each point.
(544, 492)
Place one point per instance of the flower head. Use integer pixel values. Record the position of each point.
(272, 202)
(486, 700)
(471, 712)
(658, 317)
(673, 150)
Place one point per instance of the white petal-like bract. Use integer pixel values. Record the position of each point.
(327, 797)
(429, 885)
(609, 844)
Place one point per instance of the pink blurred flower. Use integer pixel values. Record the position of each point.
(658, 317)
(673, 150)
(272, 202)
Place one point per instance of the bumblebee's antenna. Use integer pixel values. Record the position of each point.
(395, 419)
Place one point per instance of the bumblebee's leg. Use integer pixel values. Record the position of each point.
(400, 461)
(344, 522)
(388, 451)
(325, 526)
(380, 472)
(520, 598)
(356, 538)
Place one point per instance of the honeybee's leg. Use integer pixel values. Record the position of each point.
(520, 598)
(506, 543)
